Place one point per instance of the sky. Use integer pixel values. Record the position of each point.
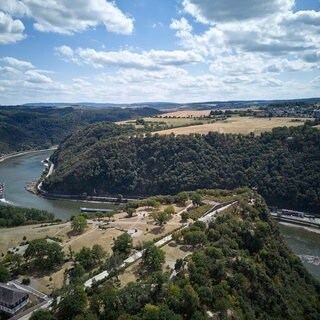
(126, 51)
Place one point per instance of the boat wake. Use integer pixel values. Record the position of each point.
(315, 260)
(7, 202)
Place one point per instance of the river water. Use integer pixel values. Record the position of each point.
(16, 172)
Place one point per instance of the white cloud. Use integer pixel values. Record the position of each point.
(65, 51)
(11, 30)
(19, 64)
(149, 60)
(213, 11)
(67, 17)
(36, 77)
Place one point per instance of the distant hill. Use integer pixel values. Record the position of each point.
(33, 127)
(171, 105)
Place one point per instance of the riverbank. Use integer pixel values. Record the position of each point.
(303, 222)
(291, 225)
(16, 154)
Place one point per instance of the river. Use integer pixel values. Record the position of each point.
(16, 172)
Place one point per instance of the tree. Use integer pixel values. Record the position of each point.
(191, 299)
(123, 244)
(169, 210)
(130, 212)
(196, 199)
(4, 274)
(42, 314)
(98, 253)
(44, 254)
(79, 224)
(194, 238)
(184, 216)
(178, 265)
(160, 217)
(73, 304)
(182, 198)
(153, 257)
(150, 312)
(85, 258)
(78, 271)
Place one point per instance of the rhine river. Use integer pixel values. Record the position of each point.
(17, 171)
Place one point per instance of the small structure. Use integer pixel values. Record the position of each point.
(11, 299)
(293, 213)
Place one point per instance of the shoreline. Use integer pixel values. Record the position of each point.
(292, 225)
(17, 154)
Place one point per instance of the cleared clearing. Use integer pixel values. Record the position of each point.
(242, 125)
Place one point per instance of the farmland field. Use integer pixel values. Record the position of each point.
(171, 122)
(242, 125)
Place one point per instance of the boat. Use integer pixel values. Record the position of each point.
(1, 190)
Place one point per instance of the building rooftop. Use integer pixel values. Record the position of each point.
(9, 295)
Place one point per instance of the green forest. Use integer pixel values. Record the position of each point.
(11, 216)
(106, 159)
(240, 269)
(25, 128)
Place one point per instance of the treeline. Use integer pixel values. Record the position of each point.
(240, 269)
(283, 164)
(15, 216)
(25, 128)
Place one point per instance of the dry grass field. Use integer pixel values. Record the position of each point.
(141, 225)
(11, 237)
(242, 125)
(171, 122)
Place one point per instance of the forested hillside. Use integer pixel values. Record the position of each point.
(24, 128)
(284, 165)
(240, 268)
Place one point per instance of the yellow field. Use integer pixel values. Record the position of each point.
(174, 122)
(242, 125)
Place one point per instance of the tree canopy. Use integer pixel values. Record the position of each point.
(79, 224)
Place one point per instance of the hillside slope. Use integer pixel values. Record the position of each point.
(25, 128)
(283, 164)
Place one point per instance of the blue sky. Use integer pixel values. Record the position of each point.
(151, 50)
